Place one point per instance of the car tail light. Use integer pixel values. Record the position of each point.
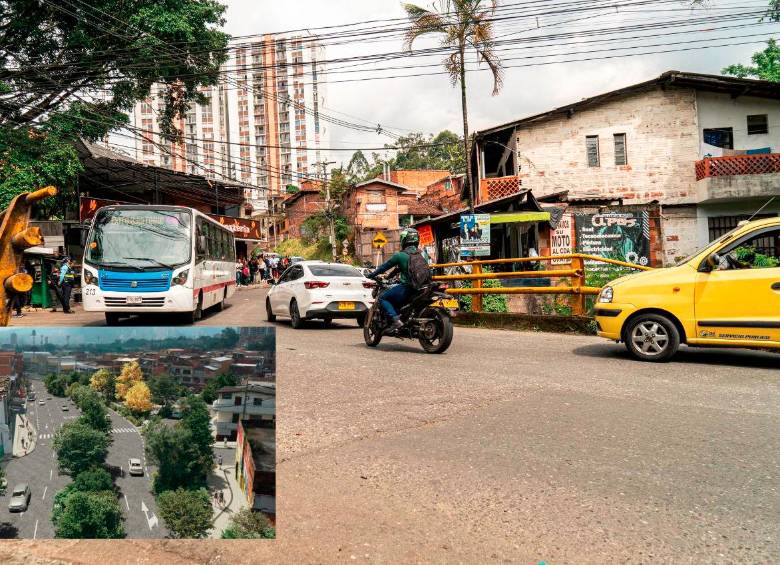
(369, 284)
(315, 284)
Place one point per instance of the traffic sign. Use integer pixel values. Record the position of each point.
(379, 240)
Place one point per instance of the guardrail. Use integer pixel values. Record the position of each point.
(576, 272)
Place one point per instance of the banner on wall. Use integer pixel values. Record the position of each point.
(560, 240)
(624, 236)
(475, 235)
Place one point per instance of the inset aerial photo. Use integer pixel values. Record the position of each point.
(138, 432)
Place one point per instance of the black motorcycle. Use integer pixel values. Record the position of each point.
(425, 318)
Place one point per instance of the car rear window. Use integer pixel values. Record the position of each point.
(334, 271)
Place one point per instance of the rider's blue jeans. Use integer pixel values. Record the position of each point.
(394, 298)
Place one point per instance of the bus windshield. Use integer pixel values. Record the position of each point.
(140, 238)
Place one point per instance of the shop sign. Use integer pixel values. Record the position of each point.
(475, 235)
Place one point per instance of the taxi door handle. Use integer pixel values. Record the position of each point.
(776, 286)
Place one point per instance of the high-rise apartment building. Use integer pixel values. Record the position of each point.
(259, 126)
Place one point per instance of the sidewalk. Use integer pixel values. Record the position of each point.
(25, 436)
(43, 317)
(222, 480)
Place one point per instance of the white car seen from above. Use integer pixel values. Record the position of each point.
(318, 290)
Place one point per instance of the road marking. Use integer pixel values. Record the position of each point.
(44, 492)
(152, 520)
(51, 473)
(127, 503)
(35, 533)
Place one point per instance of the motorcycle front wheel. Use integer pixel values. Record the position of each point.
(372, 331)
(436, 336)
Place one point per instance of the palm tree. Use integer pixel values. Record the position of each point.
(464, 25)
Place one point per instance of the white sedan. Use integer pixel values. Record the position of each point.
(318, 290)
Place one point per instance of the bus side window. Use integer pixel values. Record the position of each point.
(200, 248)
(224, 248)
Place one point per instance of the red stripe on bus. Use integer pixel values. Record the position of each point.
(211, 287)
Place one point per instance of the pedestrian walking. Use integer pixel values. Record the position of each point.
(221, 498)
(67, 279)
(219, 461)
(224, 442)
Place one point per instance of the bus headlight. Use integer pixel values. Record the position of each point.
(605, 295)
(181, 278)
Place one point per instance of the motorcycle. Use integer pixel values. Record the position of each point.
(426, 318)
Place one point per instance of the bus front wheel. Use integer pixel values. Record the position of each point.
(197, 314)
(112, 318)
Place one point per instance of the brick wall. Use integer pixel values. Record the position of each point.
(680, 238)
(302, 207)
(662, 145)
(446, 198)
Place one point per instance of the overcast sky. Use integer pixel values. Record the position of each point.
(431, 104)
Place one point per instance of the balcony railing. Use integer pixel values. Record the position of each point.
(738, 165)
(498, 187)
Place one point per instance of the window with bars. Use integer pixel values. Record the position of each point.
(592, 150)
(621, 153)
(721, 225)
(757, 124)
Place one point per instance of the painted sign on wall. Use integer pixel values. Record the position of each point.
(616, 235)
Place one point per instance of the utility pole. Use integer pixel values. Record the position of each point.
(329, 208)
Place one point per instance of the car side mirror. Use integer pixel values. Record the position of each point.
(713, 260)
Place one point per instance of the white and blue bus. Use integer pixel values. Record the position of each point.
(152, 259)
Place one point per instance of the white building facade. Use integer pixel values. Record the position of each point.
(259, 126)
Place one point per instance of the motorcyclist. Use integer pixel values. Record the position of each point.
(394, 298)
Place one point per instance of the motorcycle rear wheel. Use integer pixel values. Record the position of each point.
(372, 332)
(440, 341)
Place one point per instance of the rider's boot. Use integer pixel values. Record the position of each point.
(397, 324)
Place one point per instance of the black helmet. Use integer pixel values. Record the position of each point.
(409, 236)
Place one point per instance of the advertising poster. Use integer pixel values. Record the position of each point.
(624, 236)
(560, 240)
(475, 235)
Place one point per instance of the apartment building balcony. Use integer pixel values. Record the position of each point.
(737, 177)
(498, 187)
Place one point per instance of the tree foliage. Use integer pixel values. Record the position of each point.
(418, 150)
(88, 515)
(80, 447)
(172, 450)
(766, 65)
(103, 381)
(209, 392)
(165, 389)
(93, 480)
(128, 376)
(246, 524)
(93, 411)
(186, 513)
(139, 398)
(197, 421)
(75, 69)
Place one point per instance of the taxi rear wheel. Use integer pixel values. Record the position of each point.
(652, 337)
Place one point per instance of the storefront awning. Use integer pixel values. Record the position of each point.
(515, 217)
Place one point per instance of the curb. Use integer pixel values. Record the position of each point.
(526, 322)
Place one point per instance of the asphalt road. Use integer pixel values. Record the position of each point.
(511, 447)
(244, 308)
(39, 470)
(524, 447)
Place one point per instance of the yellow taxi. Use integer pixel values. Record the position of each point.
(727, 295)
